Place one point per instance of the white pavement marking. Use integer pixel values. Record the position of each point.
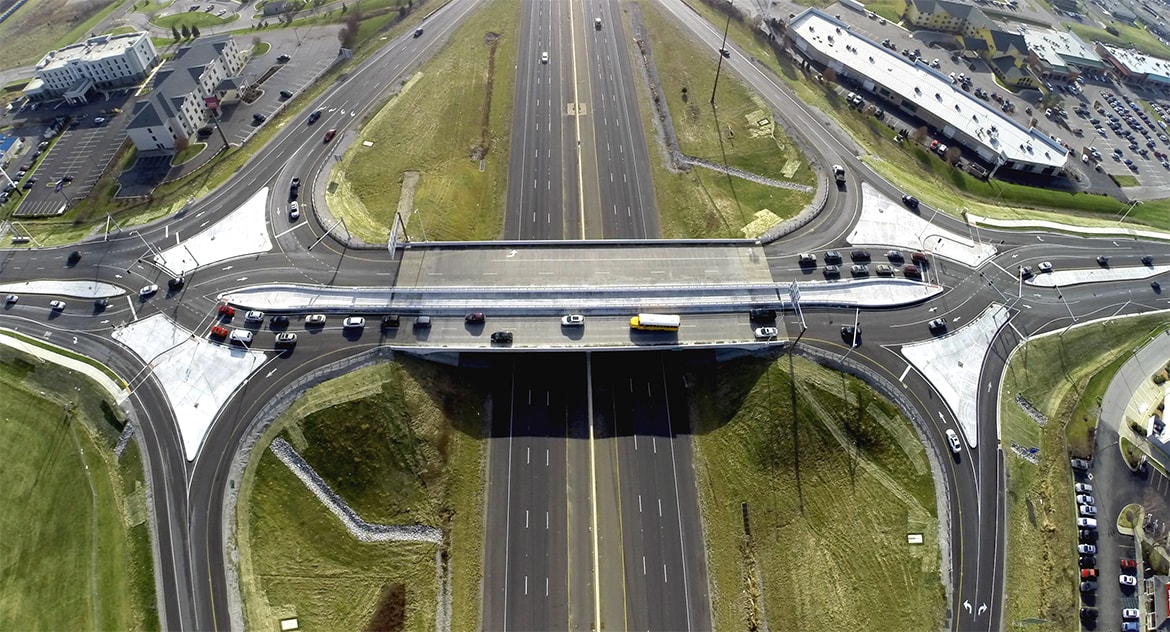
(885, 222)
(952, 363)
(79, 289)
(198, 376)
(133, 312)
(904, 372)
(242, 232)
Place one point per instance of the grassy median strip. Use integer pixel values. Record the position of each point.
(1064, 377)
(74, 550)
(67, 353)
(401, 443)
(454, 112)
(833, 489)
(740, 132)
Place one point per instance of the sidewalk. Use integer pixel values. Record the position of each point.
(1132, 394)
(116, 391)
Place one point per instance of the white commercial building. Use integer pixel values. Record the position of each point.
(98, 63)
(926, 94)
(1061, 54)
(178, 105)
(1137, 67)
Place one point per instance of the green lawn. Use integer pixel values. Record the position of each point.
(703, 203)
(261, 49)
(832, 490)
(1130, 37)
(401, 443)
(1064, 377)
(44, 25)
(447, 114)
(74, 547)
(200, 19)
(188, 153)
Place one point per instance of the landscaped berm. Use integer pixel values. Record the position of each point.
(400, 443)
(836, 484)
(77, 554)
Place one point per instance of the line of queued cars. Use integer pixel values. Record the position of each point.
(860, 259)
(280, 322)
(1087, 553)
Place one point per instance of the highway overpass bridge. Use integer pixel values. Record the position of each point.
(525, 287)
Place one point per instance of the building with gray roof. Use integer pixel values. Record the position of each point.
(927, 94)
(178, 105)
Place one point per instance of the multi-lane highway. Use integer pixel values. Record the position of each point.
(598, 521)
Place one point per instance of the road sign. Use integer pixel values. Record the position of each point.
(794, 296)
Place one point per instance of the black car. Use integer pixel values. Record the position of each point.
(74, 257)
(176, 283)
(1088, 561)
(1088, 535)
(910, 201)
(285, 94)
(259, 118)
(1147, 260)
(762, 314)
(101, 304)
(390, 321)
(859, 255)
(1088, 613)
(284, 59)
(502, 337)
(847, 334)
(418, 32)
(279, 320)
(832, 256)
(314, 116)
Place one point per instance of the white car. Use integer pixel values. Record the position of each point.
(544, 58)
(254, 316)
(1087, 523)
(294, 210)
(315, 319)
(1088, 511)
(1127, 580)
(1085, 499)
(148, 290)
(1130, 613)
(11, 298)
(99, 120)
(766, 332)
(242, 336)
(354, 322)
(953, 439)
(1083, 488)
(57, 306)
(1086, 549)
(1045, 266)
(573, 320)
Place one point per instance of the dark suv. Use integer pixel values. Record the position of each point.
(762, 314)
(502, 337)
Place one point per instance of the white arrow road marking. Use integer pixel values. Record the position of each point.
(982, 609)
(242, 279)
(226, 268)
(967, 605)
(271, 372)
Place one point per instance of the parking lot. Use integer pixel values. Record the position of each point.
(91, 136)
(1123, 135)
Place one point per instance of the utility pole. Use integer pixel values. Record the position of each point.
(722, 47)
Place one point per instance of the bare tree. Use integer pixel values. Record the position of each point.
(920, 134)
(953, 154)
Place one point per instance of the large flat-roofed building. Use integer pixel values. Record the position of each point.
(176, 108)
(926, 94)
(1061, 54)
(1135, 67)
(99, 63)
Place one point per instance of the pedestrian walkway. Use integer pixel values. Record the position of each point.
(1133, 396)
(198, 376)
(952, 363)
(244, 231)
(79, 289)
(9, 339)
(1088, 231)
(1065, 278)
(885, 222)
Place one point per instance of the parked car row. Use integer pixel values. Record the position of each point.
(860, 266)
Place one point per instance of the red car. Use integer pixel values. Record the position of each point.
(1088, 573)
(225, 310)
(1129, 565)
(911, 270)
(330, 134)
(934, 145)
(919, 257)
(219, 332)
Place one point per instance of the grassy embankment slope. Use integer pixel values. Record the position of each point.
(1064, 377)
(75, 549)
(402, 444)
(833, 489)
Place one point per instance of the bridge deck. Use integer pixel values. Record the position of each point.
(565, 264)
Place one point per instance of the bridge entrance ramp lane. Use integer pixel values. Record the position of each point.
(584, 264)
